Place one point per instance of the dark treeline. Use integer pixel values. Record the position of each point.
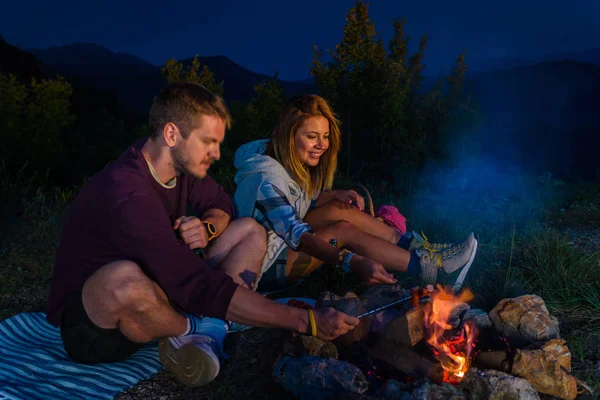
(64, 129)
(394, 118)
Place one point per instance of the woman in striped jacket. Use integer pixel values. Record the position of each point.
(285, 184)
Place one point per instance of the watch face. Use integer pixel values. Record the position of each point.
(210, 229)
(340, 257)
(344, 257)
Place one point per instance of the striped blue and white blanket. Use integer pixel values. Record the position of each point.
(34, 365)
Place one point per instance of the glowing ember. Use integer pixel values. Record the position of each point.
(453, 351)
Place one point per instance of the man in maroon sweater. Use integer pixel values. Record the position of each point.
(126, 272)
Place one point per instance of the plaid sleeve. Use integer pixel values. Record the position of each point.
(276, 212)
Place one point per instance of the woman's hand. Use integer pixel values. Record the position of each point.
(370, 272)
(350, 197)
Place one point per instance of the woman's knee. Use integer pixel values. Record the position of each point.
(336, 210)
(341, 228)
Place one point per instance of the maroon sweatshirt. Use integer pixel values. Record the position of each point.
(123, 213)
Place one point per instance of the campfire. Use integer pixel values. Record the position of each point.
(451, 348)
(435, 346)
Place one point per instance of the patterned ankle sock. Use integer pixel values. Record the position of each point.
(205, 325)
(404, 241)
(414, 264)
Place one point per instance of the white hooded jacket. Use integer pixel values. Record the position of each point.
(254, 168)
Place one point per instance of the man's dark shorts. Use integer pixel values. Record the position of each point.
(88, 343)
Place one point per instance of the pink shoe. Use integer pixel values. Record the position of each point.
(391, 216)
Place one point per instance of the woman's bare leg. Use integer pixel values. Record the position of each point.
(336, 210)
(349, 236)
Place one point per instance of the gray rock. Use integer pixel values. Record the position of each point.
(431, 391)
(479, 317)
(309, 377)
(525, 318)
(313, 346)
(378, 295)
(496, 385)
(394, 390)
(458, 312)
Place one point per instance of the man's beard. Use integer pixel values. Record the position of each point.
(181, 165)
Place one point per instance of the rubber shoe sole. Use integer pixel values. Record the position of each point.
(463, 273)
(193, 365)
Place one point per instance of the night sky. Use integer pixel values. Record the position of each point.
(270, 35)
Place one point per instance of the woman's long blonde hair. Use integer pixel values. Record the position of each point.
(282, 145)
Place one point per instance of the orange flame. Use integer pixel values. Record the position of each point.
(453, 352)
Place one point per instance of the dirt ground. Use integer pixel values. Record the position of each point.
(245, 375)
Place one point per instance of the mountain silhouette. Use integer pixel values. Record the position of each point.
(135, 81)
(20, 63)
(541, 115)
(589, 56)
(91, 59)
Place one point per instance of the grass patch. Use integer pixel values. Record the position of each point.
(28, 243)
(580, 207)
(567, 280)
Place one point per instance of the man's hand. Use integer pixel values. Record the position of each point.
(192, 231)
(332, 323)
(350, 197)
(370, 272)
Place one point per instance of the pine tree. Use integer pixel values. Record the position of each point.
(456, 79)
(367, 88)
(388, 122)
(174, 71)
(261, 114)
(415, 66)
(398, 43)
(34, 118)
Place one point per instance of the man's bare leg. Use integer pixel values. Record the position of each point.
(349, 236)
(120, 295)
(336, 210)
(239, 251)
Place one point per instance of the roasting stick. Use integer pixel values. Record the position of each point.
(383, 307)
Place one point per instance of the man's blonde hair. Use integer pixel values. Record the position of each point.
(181, 104)
(282, 145)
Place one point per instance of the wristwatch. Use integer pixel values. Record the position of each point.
(343, 260)
(210, 230)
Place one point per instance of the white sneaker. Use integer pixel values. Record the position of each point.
(451, 258)
(191, 359)
(237, 327)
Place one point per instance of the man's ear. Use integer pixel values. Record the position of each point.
(170, 134)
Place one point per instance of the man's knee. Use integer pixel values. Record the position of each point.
(252, 230)
(125, 285)
(118, 271)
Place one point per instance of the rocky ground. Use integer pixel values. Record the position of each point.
(247, 374)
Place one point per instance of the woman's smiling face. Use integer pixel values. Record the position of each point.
(312, 140)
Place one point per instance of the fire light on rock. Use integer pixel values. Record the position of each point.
(451, 347)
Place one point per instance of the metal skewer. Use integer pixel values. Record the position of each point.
(393, 303)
